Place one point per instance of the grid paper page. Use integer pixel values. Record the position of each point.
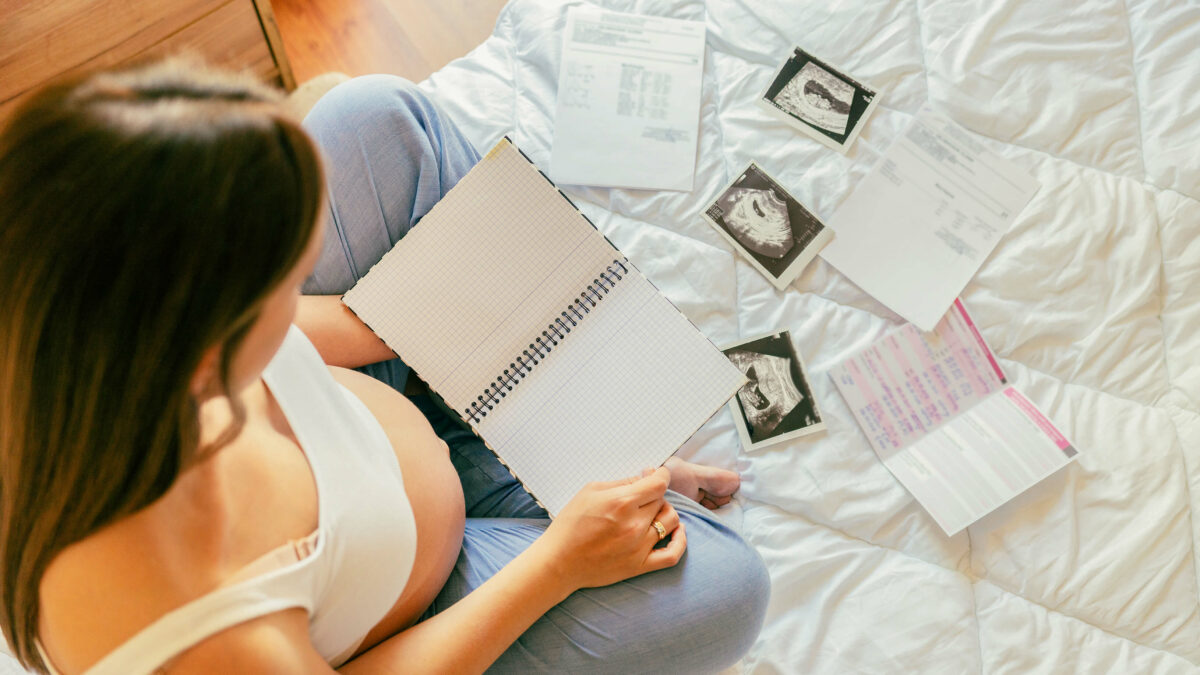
(500, 255)
(498, 259)
(516, 331)
(621, 396)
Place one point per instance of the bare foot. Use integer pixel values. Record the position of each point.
(710, 486)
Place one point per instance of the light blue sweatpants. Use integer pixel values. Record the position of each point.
(390, 155)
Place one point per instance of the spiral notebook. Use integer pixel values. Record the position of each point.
(534, 328)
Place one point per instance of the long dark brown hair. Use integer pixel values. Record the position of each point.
(145, 214)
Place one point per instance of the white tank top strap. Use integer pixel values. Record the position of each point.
(277, 558)
(190, 624)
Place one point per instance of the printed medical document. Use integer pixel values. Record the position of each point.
(628, 111)
(920, 224)
(943, 419)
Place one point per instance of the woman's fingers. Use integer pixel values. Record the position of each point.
(667, 556)
(649, 488)
(633, 481)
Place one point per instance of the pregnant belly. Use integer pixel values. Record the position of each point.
(437, 503)
(434, 492)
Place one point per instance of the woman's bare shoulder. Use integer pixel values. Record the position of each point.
(100, 591)
(275, 643)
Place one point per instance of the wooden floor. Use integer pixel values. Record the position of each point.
(411, 38)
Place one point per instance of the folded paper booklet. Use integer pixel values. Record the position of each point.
(543, 338)
(943, 419)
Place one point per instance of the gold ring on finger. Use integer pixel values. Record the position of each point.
(661, 529)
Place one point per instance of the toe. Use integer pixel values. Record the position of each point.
(719, 482)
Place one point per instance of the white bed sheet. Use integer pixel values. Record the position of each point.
(1092, 302)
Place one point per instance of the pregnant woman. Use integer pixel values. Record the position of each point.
(188, 481)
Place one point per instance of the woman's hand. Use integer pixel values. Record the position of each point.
(605, 534)
(602, 536)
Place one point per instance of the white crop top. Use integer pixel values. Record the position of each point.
(365, 540)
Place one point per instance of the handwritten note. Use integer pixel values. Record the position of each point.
(628, 105)
(920, 224)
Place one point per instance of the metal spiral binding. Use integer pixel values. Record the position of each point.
(556, 331)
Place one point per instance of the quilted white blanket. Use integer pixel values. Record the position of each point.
(1092, 301)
